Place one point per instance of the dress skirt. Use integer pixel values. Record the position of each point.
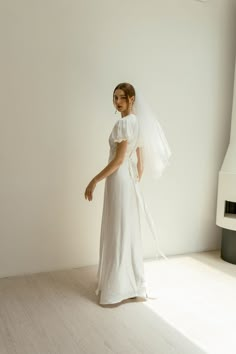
(121, 271)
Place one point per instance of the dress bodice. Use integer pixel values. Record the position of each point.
(124, 129)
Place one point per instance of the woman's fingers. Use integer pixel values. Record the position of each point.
(89, 190)
(88, 194)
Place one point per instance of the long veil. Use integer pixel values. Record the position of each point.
(156, 154)
(155, 148)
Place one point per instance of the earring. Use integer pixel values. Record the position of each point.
(115, 111)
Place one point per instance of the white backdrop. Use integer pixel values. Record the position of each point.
(60, 61)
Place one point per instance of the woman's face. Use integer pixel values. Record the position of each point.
(120, 101)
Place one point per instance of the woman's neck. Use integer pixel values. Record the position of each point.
(124, 114)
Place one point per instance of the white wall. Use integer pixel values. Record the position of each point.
(60, 61)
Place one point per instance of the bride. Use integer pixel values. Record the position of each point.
(121, 270)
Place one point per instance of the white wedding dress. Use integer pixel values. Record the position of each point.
(121, 270)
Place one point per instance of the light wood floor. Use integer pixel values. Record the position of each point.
(58, 312)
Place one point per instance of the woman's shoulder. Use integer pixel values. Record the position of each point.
(126, 121)
(129, 117)
(124, 127)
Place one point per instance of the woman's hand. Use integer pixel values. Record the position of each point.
(140, 172)
(139, 153)
(89, 190)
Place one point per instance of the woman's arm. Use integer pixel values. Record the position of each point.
(140, 162)
(108, 170)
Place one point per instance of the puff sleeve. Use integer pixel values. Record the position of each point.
(123, 130)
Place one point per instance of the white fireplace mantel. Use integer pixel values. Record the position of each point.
(227, 176)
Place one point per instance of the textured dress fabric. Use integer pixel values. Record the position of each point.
(121, 271)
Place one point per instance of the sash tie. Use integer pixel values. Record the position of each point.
(143, 205)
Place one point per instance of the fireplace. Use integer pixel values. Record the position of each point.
(226, 199)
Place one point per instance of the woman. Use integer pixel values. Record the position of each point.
(121, 272)
(136, 137)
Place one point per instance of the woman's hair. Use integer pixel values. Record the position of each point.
(127, 88)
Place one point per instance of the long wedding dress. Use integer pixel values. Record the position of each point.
(120, 272)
